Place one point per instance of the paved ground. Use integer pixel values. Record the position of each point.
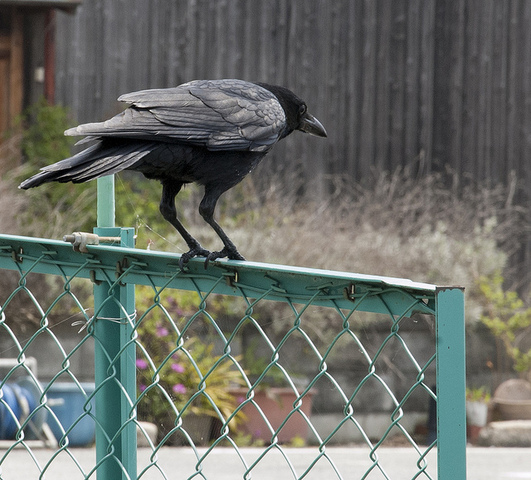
(224, 464)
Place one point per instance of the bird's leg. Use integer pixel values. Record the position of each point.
(206, 209)
(168, 211)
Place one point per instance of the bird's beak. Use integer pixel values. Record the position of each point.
(311, 125)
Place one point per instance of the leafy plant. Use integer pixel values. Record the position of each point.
(52, 209)
(183, 372)
(43, 139)
(508, 319)
(180, 369)
(480, 394)
(256, 365)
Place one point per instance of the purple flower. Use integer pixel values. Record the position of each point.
(177, 367)
(162, 331)
(142, 387)
(141, 364)
(179, 388)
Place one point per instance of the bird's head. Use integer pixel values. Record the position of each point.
(297, 116)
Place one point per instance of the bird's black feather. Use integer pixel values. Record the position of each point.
(212, 132)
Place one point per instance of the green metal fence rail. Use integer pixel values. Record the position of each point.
(51, 284)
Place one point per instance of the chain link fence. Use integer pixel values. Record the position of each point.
(198, 358)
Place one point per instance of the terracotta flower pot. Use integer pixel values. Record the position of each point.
(276, 404)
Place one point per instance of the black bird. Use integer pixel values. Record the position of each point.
(212, 132)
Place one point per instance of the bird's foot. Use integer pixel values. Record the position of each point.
(197, 251)
(230, 253)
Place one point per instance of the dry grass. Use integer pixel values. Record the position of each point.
(398, 226)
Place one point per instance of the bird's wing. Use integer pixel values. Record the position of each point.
(218, 114)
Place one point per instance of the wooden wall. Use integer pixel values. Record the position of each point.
(434, 83)
(446, 82)
(11, 71)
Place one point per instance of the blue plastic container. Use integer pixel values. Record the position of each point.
(67, 402)
(18, 401)
(8, 407)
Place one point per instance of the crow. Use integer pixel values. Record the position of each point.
(211, 132)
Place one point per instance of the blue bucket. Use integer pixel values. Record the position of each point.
(16, 401)
(67, 402)
(9, 407)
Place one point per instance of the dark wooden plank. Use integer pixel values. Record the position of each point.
(454, 143)
(412, 80)
(524, 168)
(470, 95)
(514, 58)
(426, 81)
(499, 83)
(383, 84)
(483, 170)
(367, 130)
(397, 85)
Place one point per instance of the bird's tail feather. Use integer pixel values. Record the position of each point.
(95, 161)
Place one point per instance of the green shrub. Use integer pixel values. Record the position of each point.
(43, 139)
(51, 210)
(508, 319)
(179, 361)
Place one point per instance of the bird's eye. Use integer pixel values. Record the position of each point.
(302, 109)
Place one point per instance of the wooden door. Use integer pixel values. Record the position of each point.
(11, 67)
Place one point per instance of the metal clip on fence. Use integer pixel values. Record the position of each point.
(80, 240)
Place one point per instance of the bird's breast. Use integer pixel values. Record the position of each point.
(187, 164)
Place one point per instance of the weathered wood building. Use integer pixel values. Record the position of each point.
(447, 81)
(27, 55)
(432, 83)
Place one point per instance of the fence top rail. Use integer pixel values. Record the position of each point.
(161, 269)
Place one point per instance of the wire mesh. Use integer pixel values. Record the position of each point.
(207, 345)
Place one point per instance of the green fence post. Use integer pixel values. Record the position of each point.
(115, 356)
(105, 202)
(451, 383)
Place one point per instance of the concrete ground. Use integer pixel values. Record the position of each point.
(224, 464)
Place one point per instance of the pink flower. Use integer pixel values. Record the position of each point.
(179, 388)
(141, 364)
(162, 331)
(177, 367)
(142, 387)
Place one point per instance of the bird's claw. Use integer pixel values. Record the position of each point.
(230, 253)
(193, 252)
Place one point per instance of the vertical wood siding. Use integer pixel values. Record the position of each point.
(434, 83)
